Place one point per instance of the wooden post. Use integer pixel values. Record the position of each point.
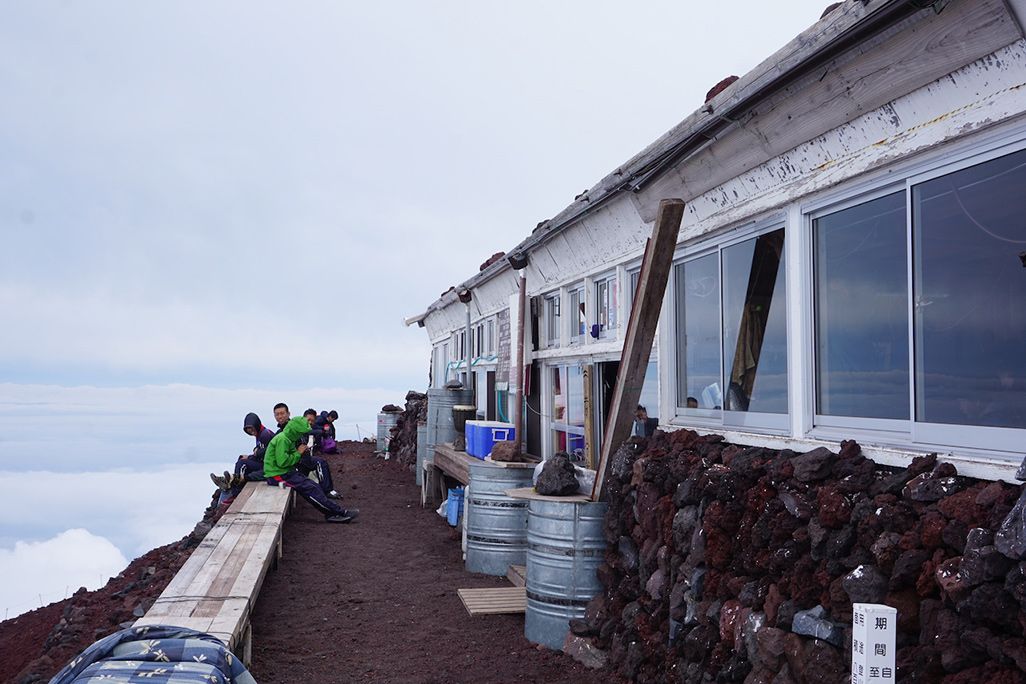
(589, 417)
(637, 345)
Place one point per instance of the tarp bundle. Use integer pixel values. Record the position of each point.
(156, 653)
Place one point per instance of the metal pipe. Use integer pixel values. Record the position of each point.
(466, 357)
(518, 407)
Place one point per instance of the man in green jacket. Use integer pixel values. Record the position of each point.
(280, 463)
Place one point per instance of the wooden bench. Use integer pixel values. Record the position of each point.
(447, 461)
(216, 588)
(455, 464)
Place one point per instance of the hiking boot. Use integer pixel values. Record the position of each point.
(221, 482)
(349, 515)
(237, 480)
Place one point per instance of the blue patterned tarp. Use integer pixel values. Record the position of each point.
(155, 653)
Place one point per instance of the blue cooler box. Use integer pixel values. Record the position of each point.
(483, 434)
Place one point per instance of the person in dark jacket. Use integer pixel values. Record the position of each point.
(323, 423)
(310, 463)
(248, 468)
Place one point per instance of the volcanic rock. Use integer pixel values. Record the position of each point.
(557, 477)
(814, 623)
(813, 465)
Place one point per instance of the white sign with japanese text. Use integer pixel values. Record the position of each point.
(872, 644)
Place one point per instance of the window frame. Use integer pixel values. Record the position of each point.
(999, 442)
(575, 335)
(547, 301)
(832, 425)
(608, 279)
(752, 421)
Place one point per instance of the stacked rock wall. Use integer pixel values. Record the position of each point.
(735, 564)
(403, 445)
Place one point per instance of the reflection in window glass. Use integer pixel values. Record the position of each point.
(698, 338)
(567, 408)
(649, 399)
(606, 303)
(861, 294)
(970, 295)
(576, 317)
(552, 321)
(755, 325)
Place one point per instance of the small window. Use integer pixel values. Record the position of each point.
(606, 302)
(698, 334)
(552, 320)
(490, 337)
(755, 325)
(577, 319)
(633, 277)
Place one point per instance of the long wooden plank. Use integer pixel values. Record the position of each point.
(242, 499)
(531, 495)
(266, 499)
(455, 464)
(221, 586)
(641, 328)
(494, 601)
(251, 578)
(194, 563)
(200, 624)
(589, 417)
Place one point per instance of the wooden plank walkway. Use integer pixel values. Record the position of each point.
(216, 588)
(494, 601)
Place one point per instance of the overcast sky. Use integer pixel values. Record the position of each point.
(256, 194)
(198, 197)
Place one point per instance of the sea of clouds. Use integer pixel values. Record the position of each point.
(97, 476)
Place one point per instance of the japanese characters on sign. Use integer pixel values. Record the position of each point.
(872, 644)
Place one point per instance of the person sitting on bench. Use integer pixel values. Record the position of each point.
(247, 468)
(310, 463)
(280, 468)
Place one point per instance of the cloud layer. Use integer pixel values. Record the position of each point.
(38, 573)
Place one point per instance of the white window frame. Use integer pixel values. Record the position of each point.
(547, 301)
(1002, 443)
(751, 421)
(609, 279)
(575, 337)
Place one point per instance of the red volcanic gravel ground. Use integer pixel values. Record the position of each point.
(375, 600)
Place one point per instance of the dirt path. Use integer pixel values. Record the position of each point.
(375, 601)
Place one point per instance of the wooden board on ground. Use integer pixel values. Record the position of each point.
(517, 574)
(531, 495)
(494, 601)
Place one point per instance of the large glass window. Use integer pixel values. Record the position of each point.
(698, 333)
(552, 321)
(861, 310)
(755, 325)
(969, 249)
(567, 409)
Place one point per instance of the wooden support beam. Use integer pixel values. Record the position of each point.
(589, 416)
(641, 328)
